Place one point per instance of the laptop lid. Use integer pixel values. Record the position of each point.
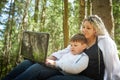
(35, 46)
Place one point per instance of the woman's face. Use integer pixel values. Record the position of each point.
(88, 30)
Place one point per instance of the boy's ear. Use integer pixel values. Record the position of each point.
(85, 45)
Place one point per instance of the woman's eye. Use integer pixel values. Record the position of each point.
(86, 27)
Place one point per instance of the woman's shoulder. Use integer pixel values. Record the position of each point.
(105, 38)
(100, 37)
(106, 41)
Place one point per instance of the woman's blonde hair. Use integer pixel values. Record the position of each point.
(97, 23)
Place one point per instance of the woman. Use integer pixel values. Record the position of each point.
(102, 52)
(104, 62)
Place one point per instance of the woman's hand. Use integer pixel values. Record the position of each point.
(50, 62)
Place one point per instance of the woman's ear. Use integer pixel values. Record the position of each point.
(96, 32)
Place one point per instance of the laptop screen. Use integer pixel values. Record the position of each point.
(35, 46)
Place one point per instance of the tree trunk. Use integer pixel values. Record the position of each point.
(36, 10)
(42, 17)
(7, 49)
(65, 24)
(82, 10)
(23, 28)
(89, 7)
(103, 8)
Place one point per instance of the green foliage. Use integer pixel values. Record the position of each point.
(116, 13)
(53, 16)
(52, 23)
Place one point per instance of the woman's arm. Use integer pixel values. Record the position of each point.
(75, 67)
(111, 59)
(52, 57)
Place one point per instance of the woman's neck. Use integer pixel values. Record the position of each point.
(91, 41)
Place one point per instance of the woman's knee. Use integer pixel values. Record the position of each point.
(26, 63)
(68, 77)
(36, 66)
(57, 77)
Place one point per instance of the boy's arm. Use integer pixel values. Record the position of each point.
(56, 56)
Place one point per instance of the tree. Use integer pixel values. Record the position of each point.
(8, 39)
(36, 10)
(103, 8)
(65, 24)
(43, 15)
(82, 10)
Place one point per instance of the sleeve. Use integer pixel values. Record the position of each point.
(77, 66)
(111, 59)
(60, 53)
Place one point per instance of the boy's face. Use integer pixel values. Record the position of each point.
(77, 47)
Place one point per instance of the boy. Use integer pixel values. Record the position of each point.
(74, 61)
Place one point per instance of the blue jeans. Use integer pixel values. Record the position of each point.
(28, 70)
(69, 77)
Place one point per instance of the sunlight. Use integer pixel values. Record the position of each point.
(71, 1)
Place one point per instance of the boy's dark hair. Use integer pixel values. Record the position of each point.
(79, 38)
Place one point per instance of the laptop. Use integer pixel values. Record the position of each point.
(34, 46)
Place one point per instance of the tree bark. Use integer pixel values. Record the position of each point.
(42, 17)
(82, 10)
(36, 10)
(65, 24)
(103, 8)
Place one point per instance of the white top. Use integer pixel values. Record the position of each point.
(110, 56)
(73, 64)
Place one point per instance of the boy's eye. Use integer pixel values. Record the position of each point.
(75, 45)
